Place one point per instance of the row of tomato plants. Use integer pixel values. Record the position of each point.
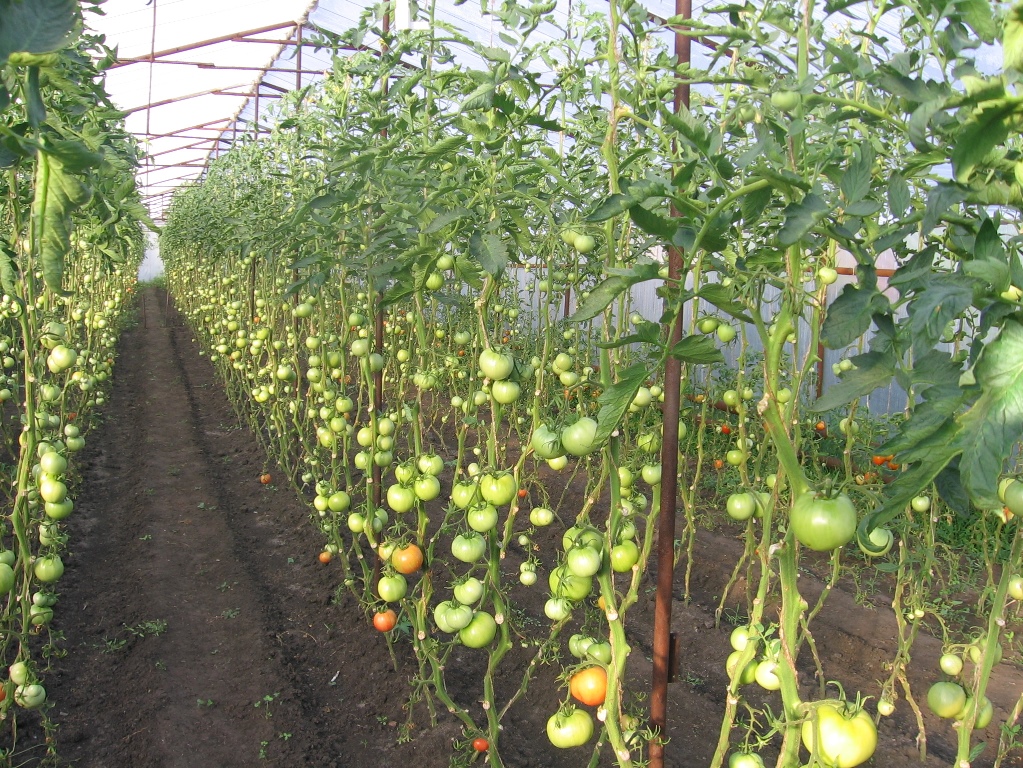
(70, 244)
(391, 286)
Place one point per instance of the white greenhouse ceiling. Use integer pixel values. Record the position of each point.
(195, 74)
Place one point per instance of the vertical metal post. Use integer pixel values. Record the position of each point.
(298, 57)
(662, 652)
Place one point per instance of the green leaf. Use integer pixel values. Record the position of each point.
(938, 407)
(481, 98)
(34, 98)
(801, 217)
(988, 129)
(1012, 39)
(941, 300)
(490, 251)
(753, 204)
(855, 182)
(940, 199)
(36, 26)
(654, 224)
(8, 273)
(724, 299)
(978, 16)
(441, 220)
(610, 288)
(699, 350)
(992, 427)
(57, 195)
(873, 370)
(850, 314)
(907, 485)
(445, 146)
(631, 194)
(646, 333)
(616, 399)
(899, 198)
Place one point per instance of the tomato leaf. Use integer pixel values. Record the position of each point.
(938, 407)
(8, 272)
(654, 224)
(899, 198)
(441, 220)
(40, 26)
(616, 399)
(855, 182)
(901, 491)
(699, 350)
(873, 370)
(55, 201)
(939, 300)
(610, 288)
(801, 217)
(490, 251)
(988, 128)
(1012, 39)
(724, 299)
(992, 426)
(631, 194)
(850, 314)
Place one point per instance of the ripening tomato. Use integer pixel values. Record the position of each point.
(265, 478)
(589, 685)
(480, 744)
(384, 621)
(326, 556)
(407, 559)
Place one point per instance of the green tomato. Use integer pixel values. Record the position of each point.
(583, 561)
(624, 556)
(541, 516)
(599, 652)
(505, 392)
(878, 544)
(726, 333)
(951, 664)
(745, 760)
(578, 439)
(920, 503)
(584, 243)
(392, 588)
(469, 591)
(557, 608)
(546, 443)
(1014, 497)
(651, 474)
(563, 583)
(468, 547)
(426, 487)
(766, 675)
(479, 632)
(740, 638)
(730, 398)
(842, 739)
(400, 498)
(49, 568)
(1016, 587)
(495, 365)
(498, 488)
(823, 524)
(785, 101)
(482, 517)
(570, 727)
(827, 275)
(6, 578)
(946, 699)
(741, 506)
(748, 673)
(735, 457)
(464, 494)
(885, 707)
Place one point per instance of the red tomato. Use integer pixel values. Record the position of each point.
(480, 744)
(384, 621)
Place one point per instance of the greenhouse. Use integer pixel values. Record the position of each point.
(509, 383)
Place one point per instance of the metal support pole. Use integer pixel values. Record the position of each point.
(663, 640)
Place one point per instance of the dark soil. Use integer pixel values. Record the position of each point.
(258, 665)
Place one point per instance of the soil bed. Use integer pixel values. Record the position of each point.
(201, 630)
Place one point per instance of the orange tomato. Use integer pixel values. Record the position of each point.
(719, 464)
(265, 478)
(326, 557)
(589, 685)
(408, 559)
(480, 744)
(384, 621)
(879, 460)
